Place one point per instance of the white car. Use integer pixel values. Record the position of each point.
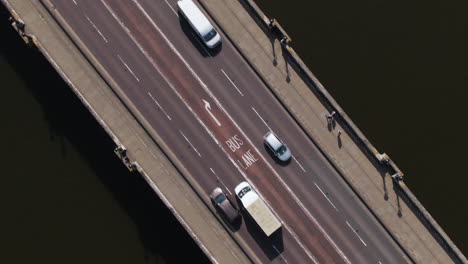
(277, 146)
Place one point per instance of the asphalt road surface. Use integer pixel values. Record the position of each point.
(212, 111)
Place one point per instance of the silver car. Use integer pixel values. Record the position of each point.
(277, 146)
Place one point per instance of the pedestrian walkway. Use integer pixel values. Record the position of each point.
(132, 140)
(327, 124)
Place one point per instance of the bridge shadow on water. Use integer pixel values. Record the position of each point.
(69, 121)
(402, 198)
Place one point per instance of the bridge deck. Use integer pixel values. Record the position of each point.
(389, 199)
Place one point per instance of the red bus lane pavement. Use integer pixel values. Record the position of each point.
(197, 97)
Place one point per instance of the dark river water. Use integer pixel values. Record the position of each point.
(398, 68)
(65, 197)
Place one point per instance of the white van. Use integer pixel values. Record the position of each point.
(257, 208)
(199, 23)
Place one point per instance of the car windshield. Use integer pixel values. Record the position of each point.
(281, 150)
(244, 191)
(220, 198)
(210, 35)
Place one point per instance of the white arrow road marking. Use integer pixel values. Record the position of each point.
(208, 109)
(151, 60)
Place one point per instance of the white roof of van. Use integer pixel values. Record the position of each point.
(198, 19)
(249, 197)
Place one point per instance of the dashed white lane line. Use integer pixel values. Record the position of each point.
(310, 216)
(210, 132)
(279, 253)
(75, 2)
(97, 29)
(160, 107)
(171, 8)
(354, 231)
(259, 116)
(225, 187)
(190, 143)
(326, 196)
(298, 163)
(233, 84)
(128, 68)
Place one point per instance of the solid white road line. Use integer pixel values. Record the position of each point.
(225, 187)
(259, 116)
(210, 132)
(354, 231)
(97, 29)
(128, 68)
(299, 164)
(326, 196)
(160, 107)
(296, 199)
(190, 143)
(167, 81)
(233, 84)
(294, 235)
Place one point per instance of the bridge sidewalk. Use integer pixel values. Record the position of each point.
(365, 174)
(115, 118)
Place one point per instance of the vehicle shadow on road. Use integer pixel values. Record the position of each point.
(272, 246)
(196, 41)
(233, 226)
